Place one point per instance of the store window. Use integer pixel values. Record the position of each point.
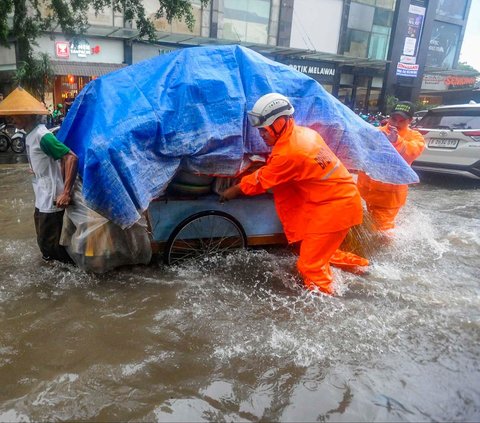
(368, 29)
(361, 98)
(345, 95)
(386, 4)
(246, 20)
(374, 99)
(370, 2)
(454, 9)
(357, 43)
(443, 46)
(379, 39)
(66, 88)
(177, 26)
(360, 17)
(383, 17)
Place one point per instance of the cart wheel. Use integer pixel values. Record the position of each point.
(4, 143)
(204, 234)
(18, 145)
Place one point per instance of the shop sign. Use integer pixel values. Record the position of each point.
(323, 72)
(408, 59)
(165, 50)
(442, 83)
(82, 48)
(453, 82)
(407, 69)
(62, 49)
(433, 83)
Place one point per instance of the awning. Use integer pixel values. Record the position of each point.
(187, 40)
(455, 72)
(180, 40)
(84, 68)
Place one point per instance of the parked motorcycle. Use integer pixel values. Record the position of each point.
(5, 140)
(18, 141)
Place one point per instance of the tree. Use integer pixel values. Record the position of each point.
(466, 66)
(36, 75)
(31, 17)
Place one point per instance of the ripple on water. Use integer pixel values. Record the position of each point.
(237, 338)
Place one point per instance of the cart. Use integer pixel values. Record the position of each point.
(190, 227)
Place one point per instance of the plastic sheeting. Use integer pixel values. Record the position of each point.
(133, 128)
(98, 245)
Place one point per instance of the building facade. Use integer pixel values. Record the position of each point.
(425, 47)
(361, 51)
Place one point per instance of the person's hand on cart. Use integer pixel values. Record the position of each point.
(230, 193)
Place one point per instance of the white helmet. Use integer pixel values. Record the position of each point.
(268, 108)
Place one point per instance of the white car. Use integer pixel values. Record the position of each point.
(417, 116)
(452, 141)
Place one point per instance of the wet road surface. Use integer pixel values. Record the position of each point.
(237, 338)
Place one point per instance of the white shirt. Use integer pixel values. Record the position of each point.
(47, 182)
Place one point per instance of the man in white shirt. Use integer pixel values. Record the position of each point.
(54, 167)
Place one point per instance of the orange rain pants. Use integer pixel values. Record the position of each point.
(316, 251)
(383, 200)
(315, 197)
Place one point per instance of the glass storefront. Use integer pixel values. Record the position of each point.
(345, 95)
(361, 95)
(66, 88)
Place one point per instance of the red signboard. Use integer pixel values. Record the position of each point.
(62, 49)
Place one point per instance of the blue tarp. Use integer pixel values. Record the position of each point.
(134, 127)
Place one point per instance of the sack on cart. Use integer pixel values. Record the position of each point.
(98, 245)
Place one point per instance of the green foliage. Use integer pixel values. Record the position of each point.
(36, 75)
(420, 105)
(390, 103)
(466, 66)
(71, 17)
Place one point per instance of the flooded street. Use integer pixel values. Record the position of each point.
(238, 339)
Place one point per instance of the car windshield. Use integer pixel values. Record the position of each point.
(451, 119)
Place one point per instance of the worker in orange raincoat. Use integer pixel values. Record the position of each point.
(316, 198)
(385, 200)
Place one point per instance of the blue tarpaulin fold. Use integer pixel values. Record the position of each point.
(134, 127)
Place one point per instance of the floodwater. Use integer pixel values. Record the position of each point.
(238, 339)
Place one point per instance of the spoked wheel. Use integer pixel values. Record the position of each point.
(204, 234)
(4, 143)
(18, 145)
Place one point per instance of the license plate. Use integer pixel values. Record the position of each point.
(442, 143)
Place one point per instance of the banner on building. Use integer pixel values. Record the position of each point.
(450, 82)
(416, 16)
(407, 69)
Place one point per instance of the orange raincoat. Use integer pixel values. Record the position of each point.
(385, 200)
(316, 200)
